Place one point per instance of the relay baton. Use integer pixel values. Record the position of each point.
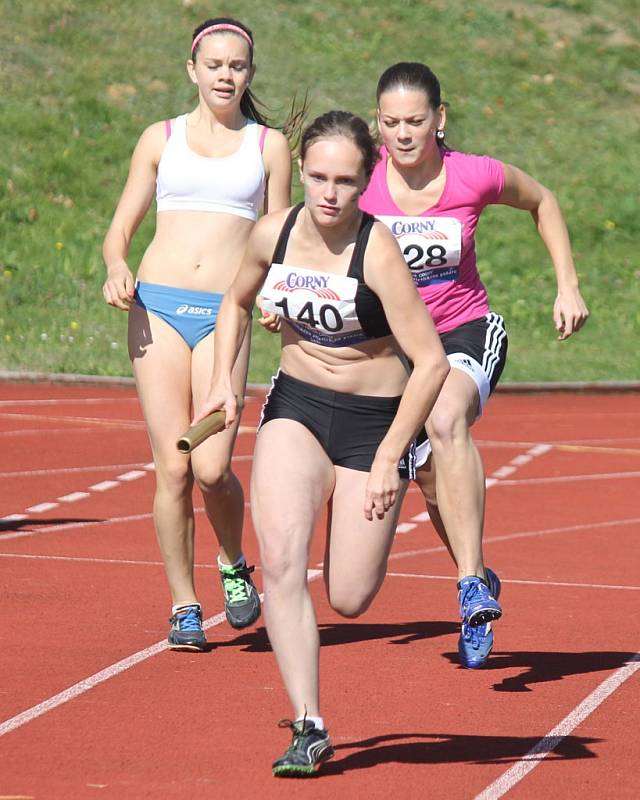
(212, 423)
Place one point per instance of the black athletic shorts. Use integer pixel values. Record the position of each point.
(349, 427)
(485, 341)
(479, 349)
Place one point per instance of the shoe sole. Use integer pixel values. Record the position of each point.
(483, 616)
(294, 771)
(189, 647)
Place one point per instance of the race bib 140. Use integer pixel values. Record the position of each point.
(320, 306)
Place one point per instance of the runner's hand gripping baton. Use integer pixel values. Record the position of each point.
(212, 423)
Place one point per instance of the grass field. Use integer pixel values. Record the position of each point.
(551, 86)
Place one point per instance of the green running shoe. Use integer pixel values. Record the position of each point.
(241, 600)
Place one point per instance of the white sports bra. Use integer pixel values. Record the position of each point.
(187, 181)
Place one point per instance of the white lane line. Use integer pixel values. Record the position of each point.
(88, 560)
(564, 584)
(73, 497)
(540, 449)
(141, 563)
(109, 672)
(625, 440)
(67, 401)
(88, 683)
(519, 535)
(132, 476)
(422, 517)
(103, 486)
(598, 476)
(34, 473)
(73, 525)
(122, 424)
(405, 527)
(13, 518)
(556, 735)
(503, 472)
(15, 432)
(42, 507)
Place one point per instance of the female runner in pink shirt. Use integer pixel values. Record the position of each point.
(431, 198)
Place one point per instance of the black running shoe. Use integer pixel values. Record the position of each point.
(186, 629)
(241, 600)
(309, 748)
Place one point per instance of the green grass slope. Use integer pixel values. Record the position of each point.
(551, 86)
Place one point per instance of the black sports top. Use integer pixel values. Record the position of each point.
(322, 307)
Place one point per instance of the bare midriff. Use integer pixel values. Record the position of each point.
(197, 250)
(371, 368)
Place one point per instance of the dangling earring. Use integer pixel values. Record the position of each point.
(440, 135)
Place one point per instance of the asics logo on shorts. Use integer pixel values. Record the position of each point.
(194, 311)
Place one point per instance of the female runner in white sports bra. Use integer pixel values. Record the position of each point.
(338, 423)
(211, 170)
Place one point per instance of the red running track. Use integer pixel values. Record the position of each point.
(92, 705)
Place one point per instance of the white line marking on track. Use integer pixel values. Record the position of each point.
(132, 476)
(140, 563)
(50, 432)
(103, 486)
(568, 584)
(597, 476)
(34, 473)
(519, 461)
(67, 401)
(503, 472)
(550, 742)
(405, 527)
(88, 683)
(520, 535)
(73, 497)
(123, 424)
(422, 517)
(109, 672)
(625, 440)
(540, 449)
(72, 525)
(42, 507)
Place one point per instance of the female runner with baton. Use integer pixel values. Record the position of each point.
(338, 424)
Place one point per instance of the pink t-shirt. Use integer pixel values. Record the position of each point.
(439, 244)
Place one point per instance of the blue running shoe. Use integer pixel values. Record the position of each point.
(186, 629)
(474, 645)
(493, 582)
(477, 605)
